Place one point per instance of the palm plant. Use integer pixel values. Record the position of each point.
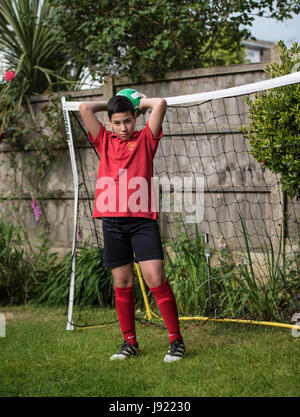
(30, 46)
(40, 62)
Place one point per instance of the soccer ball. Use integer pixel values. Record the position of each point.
(134, 96)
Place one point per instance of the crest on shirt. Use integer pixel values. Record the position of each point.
(131, 145)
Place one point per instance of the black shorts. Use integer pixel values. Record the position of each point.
(128, 239)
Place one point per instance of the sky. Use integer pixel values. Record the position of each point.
(265, 29)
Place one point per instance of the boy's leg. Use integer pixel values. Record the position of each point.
(147, 246)
(124, 300)
(118, 251)
(154, 276)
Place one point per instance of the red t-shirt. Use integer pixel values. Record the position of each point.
(125, 176)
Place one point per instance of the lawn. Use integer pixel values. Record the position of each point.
(39, 358)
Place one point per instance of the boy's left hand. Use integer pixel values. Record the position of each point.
(142, 107)
(158, 108)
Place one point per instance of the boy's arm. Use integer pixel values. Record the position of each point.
(158, 107)
(87, 111)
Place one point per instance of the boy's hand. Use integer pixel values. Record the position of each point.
(87, 111)
(142, 107)
(158, 108)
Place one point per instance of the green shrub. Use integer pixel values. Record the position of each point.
(242, 293)
(186, 270)
(36, 275)
(235, 289)
(274, 133)
(15, 265)
(94, 284)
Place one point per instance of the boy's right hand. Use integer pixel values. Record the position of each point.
(87, 111)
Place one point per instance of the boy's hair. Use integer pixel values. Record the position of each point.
(119, 104)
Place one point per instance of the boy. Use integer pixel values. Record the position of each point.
(130, 228)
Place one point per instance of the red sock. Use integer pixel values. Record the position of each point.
(166, 302)
(125, 309)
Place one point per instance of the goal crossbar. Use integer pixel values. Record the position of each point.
(240, 90)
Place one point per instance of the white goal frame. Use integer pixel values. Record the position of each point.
(68, 106)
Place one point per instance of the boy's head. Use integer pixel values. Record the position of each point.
(119, 104)
(122, 116)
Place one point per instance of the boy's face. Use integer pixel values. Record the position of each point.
(122, 124)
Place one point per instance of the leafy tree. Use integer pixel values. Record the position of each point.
(133, 37)
(274, 131)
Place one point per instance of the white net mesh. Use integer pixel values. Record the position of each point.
(245, 215)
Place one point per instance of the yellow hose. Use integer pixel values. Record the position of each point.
(262, 323)
(149, 312)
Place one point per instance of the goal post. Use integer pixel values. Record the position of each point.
(75, 181)
(186, 101)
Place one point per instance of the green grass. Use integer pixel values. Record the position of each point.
(40, 358)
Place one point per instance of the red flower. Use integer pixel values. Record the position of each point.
(2, 135)
(10, 75)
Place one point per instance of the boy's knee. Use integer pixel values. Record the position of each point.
(155, 280)
(123, 276)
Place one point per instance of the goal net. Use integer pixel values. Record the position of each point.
(230, 233)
